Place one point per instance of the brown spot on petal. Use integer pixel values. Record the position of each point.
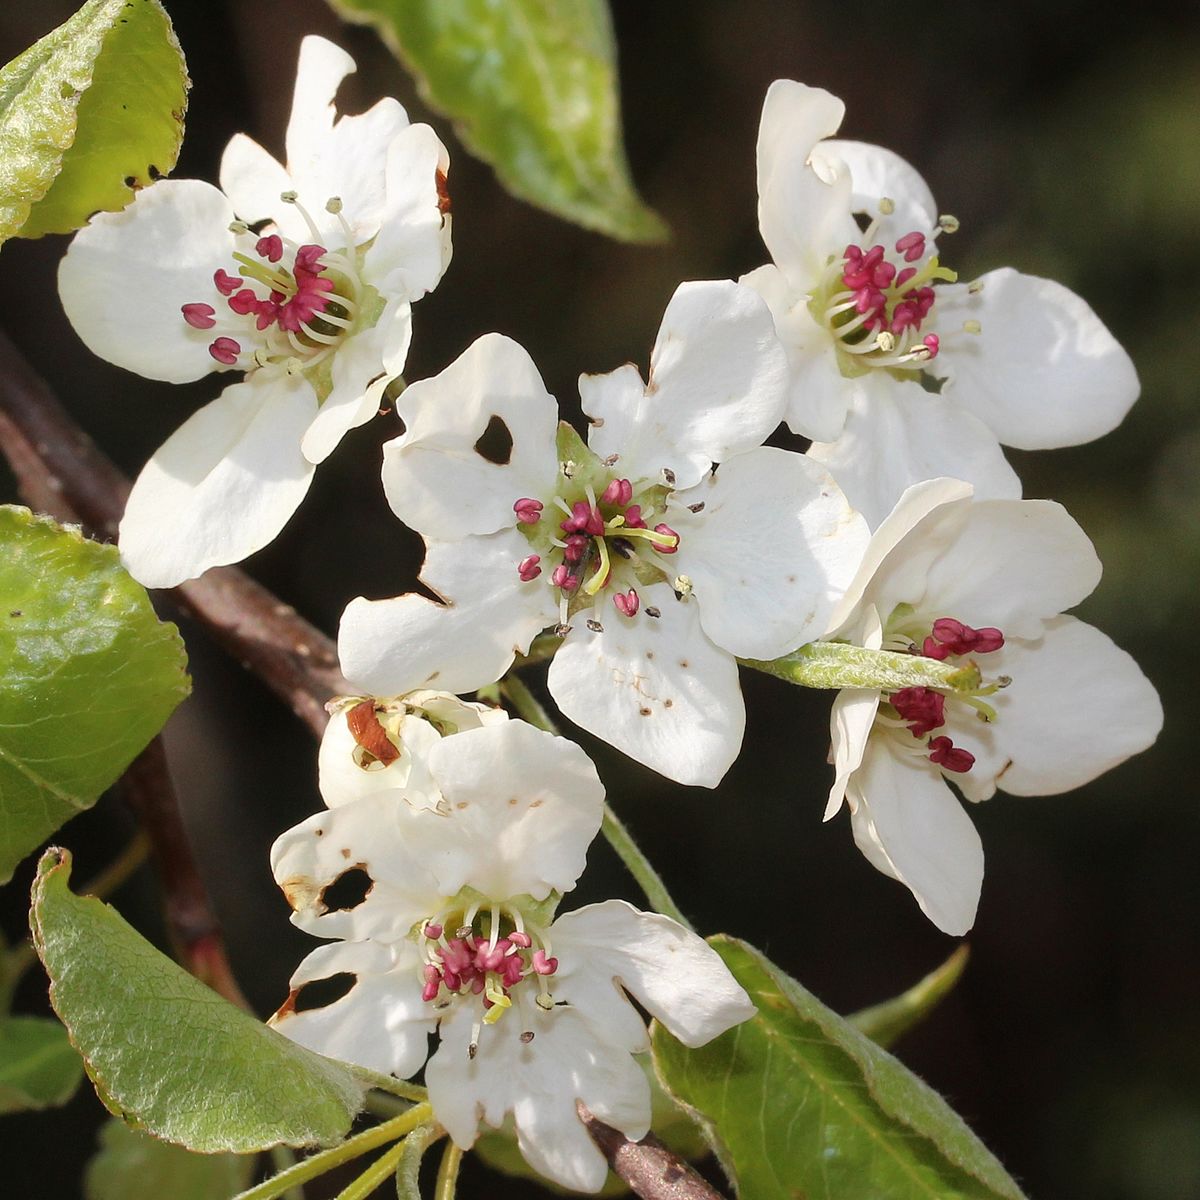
(645, 712)
(443, 191)
(366, 730)
(286, 1009)
(300, 891)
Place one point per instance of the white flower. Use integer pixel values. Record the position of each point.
(378, 744)
(980, 583)
(657, 569)
(456, 933)
(865, 315)
(314, 306)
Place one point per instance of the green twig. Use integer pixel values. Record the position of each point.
(347, 1151)
(283, 1158)
(382, 1168)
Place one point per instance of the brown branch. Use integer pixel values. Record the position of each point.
(61, 471)
(651, 1170)
(195, 933)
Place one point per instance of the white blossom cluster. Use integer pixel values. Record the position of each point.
(662, 549)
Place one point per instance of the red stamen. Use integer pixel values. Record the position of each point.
(199, 316)
(528, 510)
(528, 568)
(270, 247)
(227, 284)
(225, 350)
(627, 604)
(669, 532)
(945, 754)
(923, 708)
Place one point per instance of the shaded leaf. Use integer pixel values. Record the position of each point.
(88, 114)
(88, 675)
(135, 1166)
(799, 1103)
(38, 1065)
(884, 1023)
(167, 1053)
(532, 89)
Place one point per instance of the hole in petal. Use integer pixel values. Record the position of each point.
(348, 890)
(495, 443)
(323, 992)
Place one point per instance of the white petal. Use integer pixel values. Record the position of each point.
(412, 250)
(1012, 564)
(897, 435)
(375, 835)
(771, 552)
(126, 276)
(363, 365)
(904, 578)
(877, 173)
(539, 1083)
(453, 714)
(656, 688)
(435, 479)
(381, 1023)
(605, 950)
(803, 205)
(254, 180)
(819, 394)
(222, 485)
(388, 647)
(1078, 705)
(718, 379)
(341, 780)
(523, 805)
(345, 157)
(1043, 372)
(910, 825)
(850, 724)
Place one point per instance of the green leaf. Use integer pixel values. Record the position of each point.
(38, 1065)
(165, 1052)
(884, 1023)
(135, 1166)
(89, 114)
(799, 1103)
(88, 675)
(532, 89)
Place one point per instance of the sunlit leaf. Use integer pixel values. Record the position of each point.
(165, 1051)
(799, 1103)
(135, 1166)
(88, 114)
(884, 1023)
(38, 1065)
(532, 89)
(88, 675)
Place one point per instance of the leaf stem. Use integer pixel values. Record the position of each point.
(335, 1156)
(382, 1168)
(529, 708)
(447, 1177)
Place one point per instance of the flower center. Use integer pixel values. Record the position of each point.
(876, 300)
(912, 713)
(590, 544)
(484, 951)
(284, 303)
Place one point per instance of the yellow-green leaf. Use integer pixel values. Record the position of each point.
(88, 675)
(167, 1053)
(532, 89)
(797, 1102)
(38, 1065)
(88, 114)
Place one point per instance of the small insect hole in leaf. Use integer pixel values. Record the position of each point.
(495, 443)
(347, 891)
(323, 992)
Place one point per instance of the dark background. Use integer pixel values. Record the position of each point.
(1067, 146)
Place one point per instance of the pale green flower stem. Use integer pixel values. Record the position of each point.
(447, 1179)
(335, 1156)
(530, 709)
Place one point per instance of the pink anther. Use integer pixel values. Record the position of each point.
(433, 930)
(912, 246)
(528, 510)
(618, 492)
(543, 965)
(627, 602)
(512, 970)
(945, 754)
(667, 532)
(575, 546)
(562, 578)
(932, 344)
(962, 639)
(226, 284)
(199, 316)
(528, 568)
(269, 247)
(244, 302)
(307, 259)
(922, 708)
(633, 517)
(520, 939)
(225, 350)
